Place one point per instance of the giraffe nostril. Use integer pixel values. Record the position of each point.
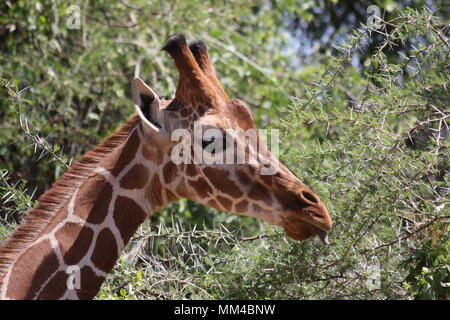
(310, 197)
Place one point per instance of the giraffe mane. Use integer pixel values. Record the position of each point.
(61, 191)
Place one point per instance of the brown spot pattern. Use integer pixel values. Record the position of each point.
(243, 177)
(267, 179)
(225, 202)
(241, 206)
(154, 192)
(219, 178)
(90, 284)
(92, 200)
(127, 153)
(55, 288)
(74, 241)
(213, 204)
(201, 187)
(136, 178)
(31, 271)
(170, 196)
(185, 111)
(191, 170)
(169, 172)
(258, 192)
(105, 252)
(181, 189)
(128, 215)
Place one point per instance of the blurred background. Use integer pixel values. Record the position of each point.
(358, 89)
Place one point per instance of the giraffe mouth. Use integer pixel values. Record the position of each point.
(302, 230)
(323, 236)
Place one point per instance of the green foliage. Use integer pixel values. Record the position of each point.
(15, 201)
(382, 158)
(366, 125)
(428, 276)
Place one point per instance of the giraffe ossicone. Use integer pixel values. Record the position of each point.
(67, 245)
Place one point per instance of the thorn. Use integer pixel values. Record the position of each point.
(23, 90)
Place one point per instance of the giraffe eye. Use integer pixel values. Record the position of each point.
(206, 143)
(218, 146)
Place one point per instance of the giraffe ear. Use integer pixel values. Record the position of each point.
(146, 102)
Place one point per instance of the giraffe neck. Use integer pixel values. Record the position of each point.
(72, 255)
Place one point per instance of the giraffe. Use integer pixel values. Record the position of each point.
(68, 244)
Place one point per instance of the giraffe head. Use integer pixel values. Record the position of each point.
(208, 150)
